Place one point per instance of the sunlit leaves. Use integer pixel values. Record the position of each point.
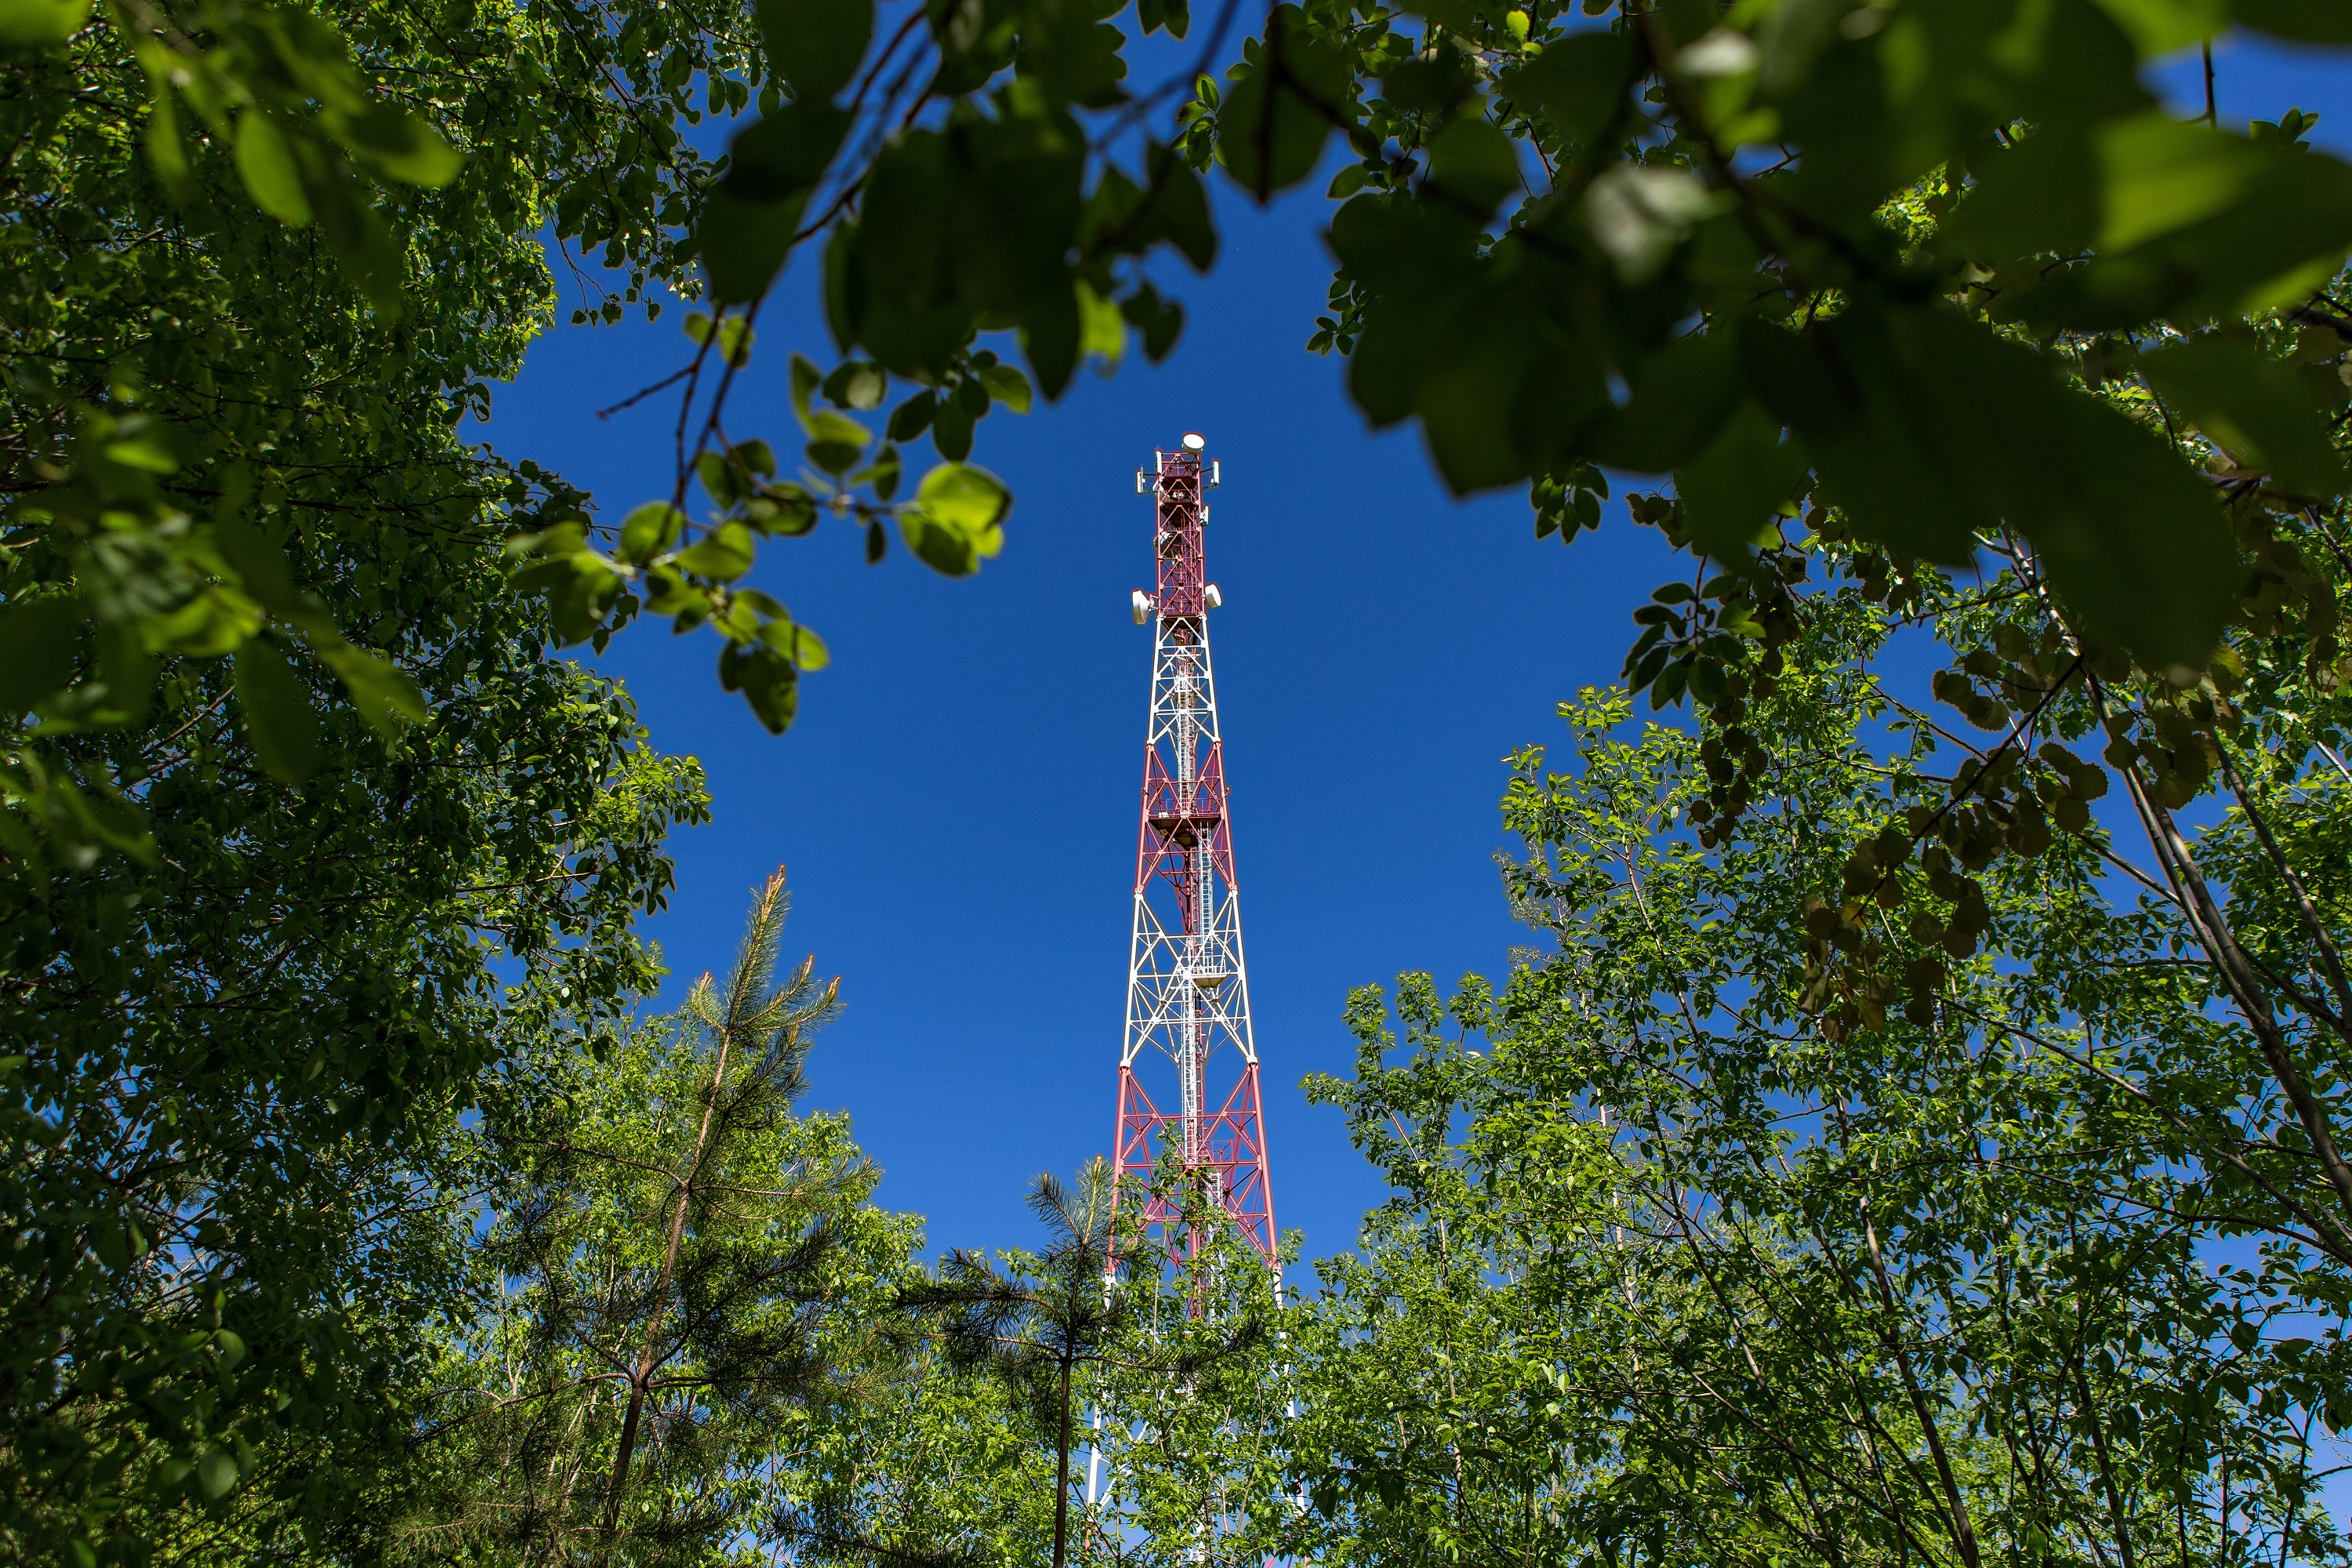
(957, 517)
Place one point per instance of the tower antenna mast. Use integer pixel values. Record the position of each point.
(1188, 1012)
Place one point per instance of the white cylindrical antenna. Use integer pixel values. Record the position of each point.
(1215, 478)
(1139, 481)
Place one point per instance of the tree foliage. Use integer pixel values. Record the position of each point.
(673, 1250)
(304, 834)
(2043, 1270)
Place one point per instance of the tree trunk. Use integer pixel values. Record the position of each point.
(1062, 1476)
(644, 1368)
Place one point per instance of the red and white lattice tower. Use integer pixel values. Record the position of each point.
(1187, 1079)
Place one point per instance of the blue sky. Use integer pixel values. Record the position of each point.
(957, 804)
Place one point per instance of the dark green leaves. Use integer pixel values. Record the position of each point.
(2306, 21)
(2265, 413)
(37, 650)
(1578, 84)
(748, 228)
(278, 713)
(1731, 490)
(816, 45)
(266, 162)
(2181, 219)
(1474, 166)
(1273, 124)
(1931, 432)
(1679, 396)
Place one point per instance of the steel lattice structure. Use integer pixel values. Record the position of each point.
(1188, 988)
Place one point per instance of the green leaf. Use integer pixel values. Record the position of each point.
(1049, 337)
(835, 441)
(766, 677)
(1160, 320)
(815, 45)
(167, 149)
(2305, 21)
(858, 383)
(1180, 209)
(1678, 398)
(2158, 27)
(1474, 165)
(797, 643)
(883, 473)
(1731, 490)
(2261, 410)
(805, 378)
(1007, 386)
(384, 694)
(266, 164)
(278, 718)
(400, 146)
(649, 530)
(911, 417)
(261, 567)
(749, 222)
(1429, 82)
(1578, 84)
(28, 24)
(723, 555)
(957, 517)
(951, 430)
(1271, 130)
(37, 647)
(215, 1473)
(1927, 430)
(1102, 330)
(1638, 213)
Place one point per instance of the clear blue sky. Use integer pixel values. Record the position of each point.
(957, 803)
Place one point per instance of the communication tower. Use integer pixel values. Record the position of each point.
(1188, 1080)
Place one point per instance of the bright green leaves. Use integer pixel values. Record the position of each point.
(653, 527)
(751, 221)
(400, 146)
(816, 45)
(31, 23)
(281, 89)
(723, 555)
(1273, 124)
(1007, 386)
(581, 585)
(957, 519)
